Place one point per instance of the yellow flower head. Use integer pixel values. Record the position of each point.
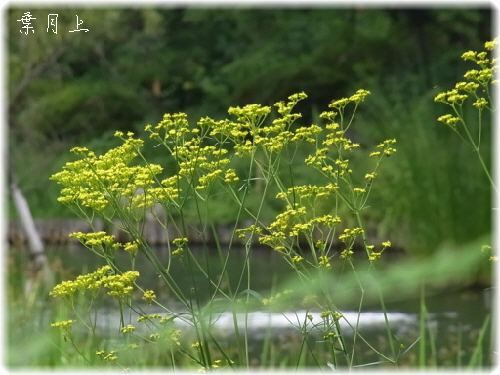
(127, 329)
(149, 296)
(63, 324)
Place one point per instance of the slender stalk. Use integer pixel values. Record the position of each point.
(355, 336)
(476, 149)
(422, 325)
(380, 295)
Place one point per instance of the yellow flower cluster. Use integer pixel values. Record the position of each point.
(250, 114)
(246, 147)
(292, 222)
(386, 244)
(97, 182)
(166, 192)
(127, 329)
(171, 129)
(202, 156)
(116, 285)
(339, 103)
(359, 96)
(370, 176)
(101, 240)
(250, 132)
(375, 255)
(308, 191)
(63, 324)
(335, 166)
(480, 103)
(149, 296)
(350, 234)
(225, 128)
(324, 262)
(100, 181)
(337, 138)
(307, 133)
(346, 253)
(131, 247)
(387, 148)
(326, 220)
(96, 239)
(476, 81)
(285, 109)
(107, 356)
(330, 116)
(335, 315)
(448, 119)
(356, 98)
(285, 220)
(207, 163)
(180, 245)
(469, 87)
(145, 317)
(320, 160)
(208, 178)
(230, 176)
(252, 229)
(452, 96)
(329, 156)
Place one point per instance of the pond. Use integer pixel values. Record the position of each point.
(455, 316)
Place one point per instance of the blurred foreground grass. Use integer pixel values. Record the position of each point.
(446, 272)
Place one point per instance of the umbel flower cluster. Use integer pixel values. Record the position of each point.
(114, 182)
(474, 93)
(116, 285)
(203, 155)
(98, 182)
(475, 87)
(122, 185)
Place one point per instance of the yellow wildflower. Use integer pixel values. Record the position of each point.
(63, 324)
(149, 296)
(127, 329)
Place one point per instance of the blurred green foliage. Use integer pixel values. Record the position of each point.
(135, 64)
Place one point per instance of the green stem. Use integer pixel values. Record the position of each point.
(476, 148)
(485, 169)
(380, 296)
